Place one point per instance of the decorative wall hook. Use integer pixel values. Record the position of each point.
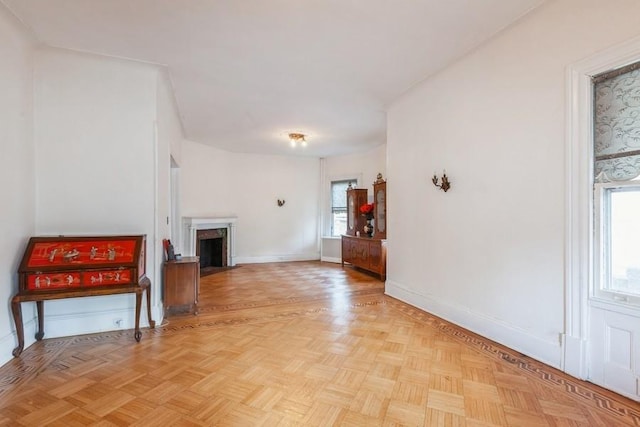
(280, 202)
(445, 181)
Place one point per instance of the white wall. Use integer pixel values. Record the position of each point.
(218, 183)
(17, 221)
(489, 253)
(169, 123)
(95, 168)
(365, 166)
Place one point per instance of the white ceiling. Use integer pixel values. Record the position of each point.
(247, 72)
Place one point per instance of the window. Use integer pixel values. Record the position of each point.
(617, 185)
(339, 206)
(618, 242)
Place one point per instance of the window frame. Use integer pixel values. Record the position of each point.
(332, 209)
(601, 288)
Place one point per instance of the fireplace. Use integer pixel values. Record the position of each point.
(211, 247)
(210, 238)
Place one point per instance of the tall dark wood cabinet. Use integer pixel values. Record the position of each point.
(358, 249)
(380, 208)
(181, 285)
(356, 197)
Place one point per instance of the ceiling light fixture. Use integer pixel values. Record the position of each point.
(297, 138)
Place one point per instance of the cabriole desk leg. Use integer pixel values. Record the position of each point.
(40, 308)
(137, 334)
(152, 323)
(17, 318)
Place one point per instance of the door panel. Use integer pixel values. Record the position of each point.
(615, 350)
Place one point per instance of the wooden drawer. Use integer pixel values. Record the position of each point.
(73, 279)
(52, 281)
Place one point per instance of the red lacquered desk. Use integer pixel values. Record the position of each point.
(69, 267)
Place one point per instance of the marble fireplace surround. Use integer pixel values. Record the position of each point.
(191, 225)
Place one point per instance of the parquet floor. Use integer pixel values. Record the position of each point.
(296, 344)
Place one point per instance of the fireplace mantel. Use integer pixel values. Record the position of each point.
(192, 224)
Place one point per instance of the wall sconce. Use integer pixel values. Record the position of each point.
(280, 202)
(445, 181)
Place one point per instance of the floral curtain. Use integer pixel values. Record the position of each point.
(617, 126)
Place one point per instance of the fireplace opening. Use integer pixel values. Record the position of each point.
(211, 253)
(211, 247)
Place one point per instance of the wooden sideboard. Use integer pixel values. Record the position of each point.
(366, 253)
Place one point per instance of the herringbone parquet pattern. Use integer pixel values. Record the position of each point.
(301, 344)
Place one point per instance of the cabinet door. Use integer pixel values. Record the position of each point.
(353, 250)
(346, 249)
(362, 253)
(351, 213)
(380, 209)
(375, 255)
(356, 197)
(181, 281)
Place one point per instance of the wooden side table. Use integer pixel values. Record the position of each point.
(181, 285)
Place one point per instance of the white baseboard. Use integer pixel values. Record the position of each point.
(277, 258)
(331, 259)
(56, 326)
(575, 351)
(157, 315)
(505, 334)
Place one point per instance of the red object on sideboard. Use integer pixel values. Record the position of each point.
(80, 266)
